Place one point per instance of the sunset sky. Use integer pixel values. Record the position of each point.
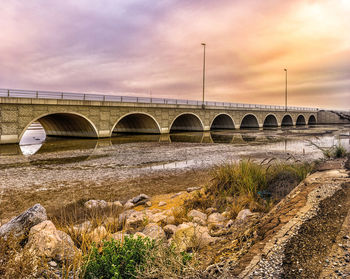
(143, 48)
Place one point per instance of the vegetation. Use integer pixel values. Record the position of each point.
(335, 151)
(249, 185)
(136, 258)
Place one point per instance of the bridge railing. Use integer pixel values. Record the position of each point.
(17, 93)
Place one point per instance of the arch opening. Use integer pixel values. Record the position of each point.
(222, 122)
(270, 121)
(186, 122)
(137, 123)
(312, 120)
(301, 120)
(249, 121)
(62, 125)
(287, 121)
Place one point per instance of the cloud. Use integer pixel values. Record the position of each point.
(134, 47)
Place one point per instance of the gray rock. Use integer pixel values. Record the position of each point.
(140, 199)
(216, 218)
(22, 224)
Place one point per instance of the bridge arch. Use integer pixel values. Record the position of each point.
(312, 120)
(222, 121)
(186, 121)
(65, 124)
(249, 121)
(300, 120)
(287, 120)
(136, 123)
(270, 121)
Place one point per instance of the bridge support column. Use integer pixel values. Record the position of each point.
(164, 130)
(261, 125)
(104, 134)
(206, 128)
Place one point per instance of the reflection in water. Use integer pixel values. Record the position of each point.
(34, 140)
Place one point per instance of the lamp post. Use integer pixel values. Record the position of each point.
(204, 45)
(286, 71)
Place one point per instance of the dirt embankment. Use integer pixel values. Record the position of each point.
(307, 234)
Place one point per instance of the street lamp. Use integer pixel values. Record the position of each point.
(204, 45)
(286, 89)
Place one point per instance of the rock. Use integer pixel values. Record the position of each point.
(117, 205)
(148, 204)
(45, 240)
(132, 220)
(128, 205)
(119, 236)
(52, 264)
(169, 230)
(229, 224)
(199, 221)
(83, 227)
(243, 214)
(210, 210)
(157, 218)
(161, 203)
(22, 224)
(139, 234)
(191, 236)
(170, 220)
(154, 231)
(216, 218)
(96, 204)
(177, 194)
(191, 189)
(98, 234)
(196, 213)
(140, 199)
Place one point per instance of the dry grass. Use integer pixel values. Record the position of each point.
(236, 186)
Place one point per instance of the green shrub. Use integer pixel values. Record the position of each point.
(118, 260)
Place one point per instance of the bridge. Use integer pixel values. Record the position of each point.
(99, 116)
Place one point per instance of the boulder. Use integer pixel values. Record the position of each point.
(45, 240)
(190, 235)
(170, 220)
(140, 199)
(216, 218)
(154, 231)
(98, 234)
(132, 220)
(119, 236)
(157, 218)
(169, 230)
(243, 214)
(22, 224)
(210, 210)
(139, 234)
(117, 205)
(197, 214)
(128, 205)
(96, 204)
(83, 227)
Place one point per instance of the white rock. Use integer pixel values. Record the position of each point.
(243, 214)
(216, 218)
(154, 231)
(119, 236)
(161, 203)
(196, 213)
(45, 240)
(96, 204)
(98, 234)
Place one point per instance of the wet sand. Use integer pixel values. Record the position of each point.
(65, 171)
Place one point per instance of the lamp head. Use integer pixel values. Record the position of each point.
(203, 44)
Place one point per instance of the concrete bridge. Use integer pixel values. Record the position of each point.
(99, 116)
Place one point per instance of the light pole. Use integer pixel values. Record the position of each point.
(286, 89)
(204, 45)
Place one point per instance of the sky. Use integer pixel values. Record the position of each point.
(153, 48)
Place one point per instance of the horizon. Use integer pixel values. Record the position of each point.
(136, 49)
